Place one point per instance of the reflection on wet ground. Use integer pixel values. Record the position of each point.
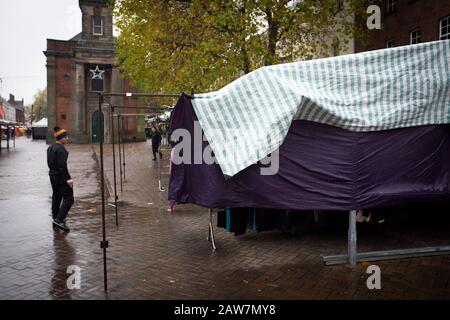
(156, 255)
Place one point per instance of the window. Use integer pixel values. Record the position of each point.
(97, 85)
(97, 79)
(391, 6)
(444, 28)
(97, 26)
(63, 116)
(390, 43)
(415, 36)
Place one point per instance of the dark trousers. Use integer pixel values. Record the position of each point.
(155, 151)
(61, 192)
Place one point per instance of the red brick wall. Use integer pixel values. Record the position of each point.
(63, 61)
(63, 84)
(59, 45)
(130, 123)
(409, 15)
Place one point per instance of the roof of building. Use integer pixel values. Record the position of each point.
(76, 37)
(96, 2)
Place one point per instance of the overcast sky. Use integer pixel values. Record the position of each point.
(24, 27)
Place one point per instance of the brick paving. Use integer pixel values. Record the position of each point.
(157, 255)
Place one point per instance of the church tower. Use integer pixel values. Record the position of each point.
(97, 21)
(81, 68)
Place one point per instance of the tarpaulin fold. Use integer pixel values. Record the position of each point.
(322, 167)
(370, 91)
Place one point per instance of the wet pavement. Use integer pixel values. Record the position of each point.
(157, 255)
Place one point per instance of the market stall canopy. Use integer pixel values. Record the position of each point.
(371, 91)
(319, 167)
(6, 122)
(43, 123)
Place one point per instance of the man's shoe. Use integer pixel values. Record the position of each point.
(61, 224)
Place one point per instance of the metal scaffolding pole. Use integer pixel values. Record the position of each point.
(103, 244)
(352, 257)
(114, 165)
(123, 154)
(120, 153)
(8, 134)
(352, 238)
(132, 94)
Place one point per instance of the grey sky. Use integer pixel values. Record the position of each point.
(24, 27)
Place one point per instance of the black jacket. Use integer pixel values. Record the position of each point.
(156, 139)
(57, 161)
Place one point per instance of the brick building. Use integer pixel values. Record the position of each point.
(18, 107)
(7, 112)
(77, 70)
(405, 22)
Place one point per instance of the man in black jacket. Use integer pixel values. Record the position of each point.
(156, 142)
(62, 183)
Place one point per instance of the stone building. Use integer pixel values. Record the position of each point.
(77, 70)
(405, 22)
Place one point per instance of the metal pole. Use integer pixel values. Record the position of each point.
(14, 137)
(131, 94)
(114, 164)
(104, 243)
(123, 149)
(8, 134)
(161, 188)
(142, 107)
(120, 152)
(211, 231)
(389, 255)
(352, 238)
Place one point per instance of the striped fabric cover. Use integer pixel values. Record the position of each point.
(370, 91)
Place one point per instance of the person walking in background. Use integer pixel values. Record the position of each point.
(156, 142)
(62, 183)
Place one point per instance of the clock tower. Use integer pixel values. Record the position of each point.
(80, 68)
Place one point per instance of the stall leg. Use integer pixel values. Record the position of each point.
(161, 188)
(352, 238)
(8, 134)
(114, 166)
(104, 243)
(120, 152)
(123, 155)
(211, 231)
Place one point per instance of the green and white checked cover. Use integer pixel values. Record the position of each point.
(370, 91)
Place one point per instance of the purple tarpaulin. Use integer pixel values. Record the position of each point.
(324, 168)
